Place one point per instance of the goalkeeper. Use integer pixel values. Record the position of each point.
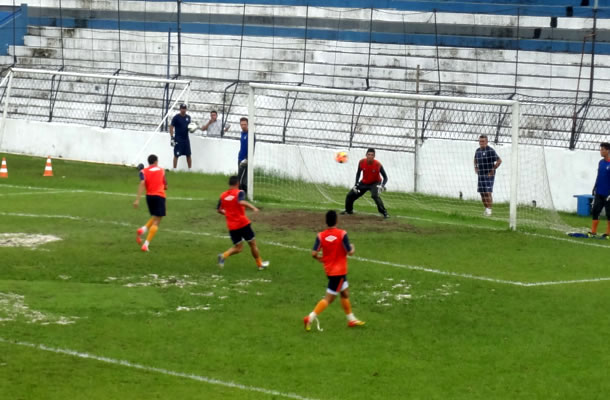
(372, 172)
(601, 191)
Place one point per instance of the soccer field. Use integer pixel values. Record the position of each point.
(455, 308)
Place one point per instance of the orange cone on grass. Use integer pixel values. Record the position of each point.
(3, 169)
(48, 169)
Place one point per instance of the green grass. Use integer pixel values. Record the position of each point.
(476, 334)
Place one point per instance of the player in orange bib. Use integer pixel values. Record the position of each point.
(152, 180)
(335, 247)
(232, 204)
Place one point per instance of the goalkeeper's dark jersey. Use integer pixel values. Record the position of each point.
(602, 183)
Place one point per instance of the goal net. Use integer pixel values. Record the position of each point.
(426, 145)
(105, 101)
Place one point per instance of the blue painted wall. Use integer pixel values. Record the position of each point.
(542, 8)
(142, 22)
(13, 27)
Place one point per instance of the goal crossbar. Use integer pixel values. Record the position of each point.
(514, 106)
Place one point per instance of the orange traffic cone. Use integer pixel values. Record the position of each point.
(48, 169)
(3, 170)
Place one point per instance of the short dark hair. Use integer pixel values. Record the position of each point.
(483, 137)
(152, 159)
(183, 105)
(214, 112)
(243, 119)
(233, 180)
(371, 150)
(605, 145)
(331, 218)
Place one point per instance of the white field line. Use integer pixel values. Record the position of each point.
(35, 193)
(162, 371)
(407, 217)
(44, 190)
(363, 259)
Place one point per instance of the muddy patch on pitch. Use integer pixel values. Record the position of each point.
(30, 240)
(390, 292)
(14, 308)
(315, 221)
(205, 292)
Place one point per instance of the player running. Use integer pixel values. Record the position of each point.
(232, 205)
(152, 180)
(335, 247)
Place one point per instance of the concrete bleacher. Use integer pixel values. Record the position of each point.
(465, 66)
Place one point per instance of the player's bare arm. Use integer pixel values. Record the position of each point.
(141, 188)
(352, 250)
(316, 255)
(496, 166)
(248, 205)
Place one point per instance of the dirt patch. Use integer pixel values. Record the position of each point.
(314, 221)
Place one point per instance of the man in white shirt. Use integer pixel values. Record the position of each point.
(214, 127)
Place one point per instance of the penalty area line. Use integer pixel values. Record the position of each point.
(363, 259)
(162, 371)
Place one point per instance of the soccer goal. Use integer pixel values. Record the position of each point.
(105, 101)
(425, 143)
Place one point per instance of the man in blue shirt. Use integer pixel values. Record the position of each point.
(486, 161)
(601, 190)
(179, 133)
(242, 157)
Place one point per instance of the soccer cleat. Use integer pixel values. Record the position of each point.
(139, 233)
(386, 216)
(591, 234)
(344, 212)
(264, 265)
(605, 236)
(221, 261)
(487, 212)
(145, 247)
(355, 322)
(307, 323)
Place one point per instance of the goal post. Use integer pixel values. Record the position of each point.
(123, 102)
(297, 131)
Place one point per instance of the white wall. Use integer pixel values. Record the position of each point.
(115, 146)
(446, 166)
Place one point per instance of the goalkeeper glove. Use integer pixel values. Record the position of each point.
(355, 189)
(172, 142)
(381, 188)
(608, 199)
(243, 162)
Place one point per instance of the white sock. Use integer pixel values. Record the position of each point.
(312, 316)
(146, 243)
(144, 229)
(351, 317)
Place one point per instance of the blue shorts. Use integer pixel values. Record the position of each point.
(246, 233)
(156, 205)
(182, 149)
(337, 284)
(486, 183)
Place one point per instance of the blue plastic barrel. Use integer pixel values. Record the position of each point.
(583, 204)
